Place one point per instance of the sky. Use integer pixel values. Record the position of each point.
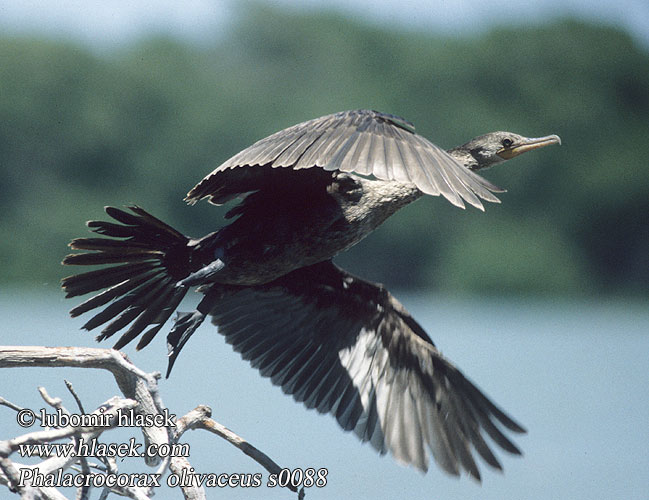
(114, 22)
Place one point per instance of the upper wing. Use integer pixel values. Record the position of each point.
(347, 347)
(364, 142)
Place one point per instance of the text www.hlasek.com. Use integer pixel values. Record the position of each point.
(298, 477)
(93, 448)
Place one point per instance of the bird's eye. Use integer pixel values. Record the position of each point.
(507, 142)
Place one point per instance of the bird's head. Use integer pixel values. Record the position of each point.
(490, 149)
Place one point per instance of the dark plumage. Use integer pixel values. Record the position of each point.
(335, 342)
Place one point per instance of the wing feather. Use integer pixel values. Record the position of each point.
(362, 142)
(347, 347)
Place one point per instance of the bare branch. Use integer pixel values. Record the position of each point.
(55, 403)
(199, 418)
(141, 391)
(133, 382)
(177, 465)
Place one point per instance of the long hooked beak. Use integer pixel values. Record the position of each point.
(528, 144)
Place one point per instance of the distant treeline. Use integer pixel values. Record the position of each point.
(81, 129)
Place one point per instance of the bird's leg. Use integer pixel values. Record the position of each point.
(203, 274)
(185, 324)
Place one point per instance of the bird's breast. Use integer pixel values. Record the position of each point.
(262, 245)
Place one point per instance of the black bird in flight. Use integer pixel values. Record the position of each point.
(335, 342)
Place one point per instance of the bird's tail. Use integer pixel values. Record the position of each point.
(141, 290)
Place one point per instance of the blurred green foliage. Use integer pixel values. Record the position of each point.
(80, 130)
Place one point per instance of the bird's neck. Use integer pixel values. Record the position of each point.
(379, 200)
(464, 157)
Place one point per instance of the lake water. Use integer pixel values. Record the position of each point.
(576, 374)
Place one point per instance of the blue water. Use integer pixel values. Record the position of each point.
(576, 374)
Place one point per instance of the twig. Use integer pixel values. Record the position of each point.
(9, 404)
(68, 384)
(84, 491)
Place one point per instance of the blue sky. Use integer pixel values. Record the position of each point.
(114, 22)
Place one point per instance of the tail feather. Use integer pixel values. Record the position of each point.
(92, 281)
(158, 312)
(110, 229)
(163, 229)
(142, 289)
(127, 308)
(106, 245)
(112, 257)
(114, 290)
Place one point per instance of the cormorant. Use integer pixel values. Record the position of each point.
(337, 343)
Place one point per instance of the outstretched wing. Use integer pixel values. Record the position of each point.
(347, 347)
(363, 142)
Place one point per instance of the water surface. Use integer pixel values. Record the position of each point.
(576, 374)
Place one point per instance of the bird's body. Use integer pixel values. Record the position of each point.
(335, 342)
(274, 235)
